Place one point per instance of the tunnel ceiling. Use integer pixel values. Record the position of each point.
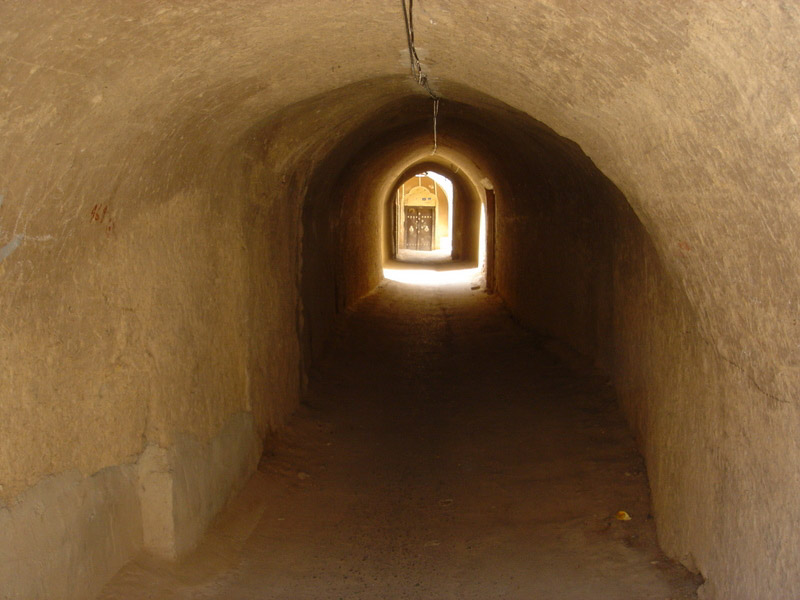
(687, 106)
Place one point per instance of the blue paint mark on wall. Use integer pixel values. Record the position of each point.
(6, 250)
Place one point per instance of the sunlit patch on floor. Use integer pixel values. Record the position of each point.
(432, 269)
(430, 277)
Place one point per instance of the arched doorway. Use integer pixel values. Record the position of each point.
(423, 207)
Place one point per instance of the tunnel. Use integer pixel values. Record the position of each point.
(195, 213)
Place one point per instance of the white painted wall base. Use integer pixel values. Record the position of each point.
(184, 487)
(68, 534)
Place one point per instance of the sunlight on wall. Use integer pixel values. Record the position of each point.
(447, 187)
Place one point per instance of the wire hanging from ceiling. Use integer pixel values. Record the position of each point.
(416, 65)
(435, 117)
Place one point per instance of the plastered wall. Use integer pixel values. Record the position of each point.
(722, 469)
(575, 262)
(151, 335)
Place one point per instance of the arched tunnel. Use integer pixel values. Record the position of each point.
(195, 211)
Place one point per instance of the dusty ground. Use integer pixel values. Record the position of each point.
(441, 453)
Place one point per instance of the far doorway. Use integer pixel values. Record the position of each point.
(423, 209)
(420, 223)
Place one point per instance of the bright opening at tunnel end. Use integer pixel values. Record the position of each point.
(434, 266)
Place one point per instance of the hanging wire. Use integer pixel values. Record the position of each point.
(412, 52)
(435, 116)
(416, 65)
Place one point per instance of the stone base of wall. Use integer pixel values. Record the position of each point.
(67, 535)
(185, 486)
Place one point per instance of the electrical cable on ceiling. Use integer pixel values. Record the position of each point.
(416, 65)
(435, 116)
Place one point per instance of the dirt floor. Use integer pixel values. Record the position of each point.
(441, 453)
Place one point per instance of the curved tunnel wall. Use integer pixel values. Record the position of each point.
(156, 195)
